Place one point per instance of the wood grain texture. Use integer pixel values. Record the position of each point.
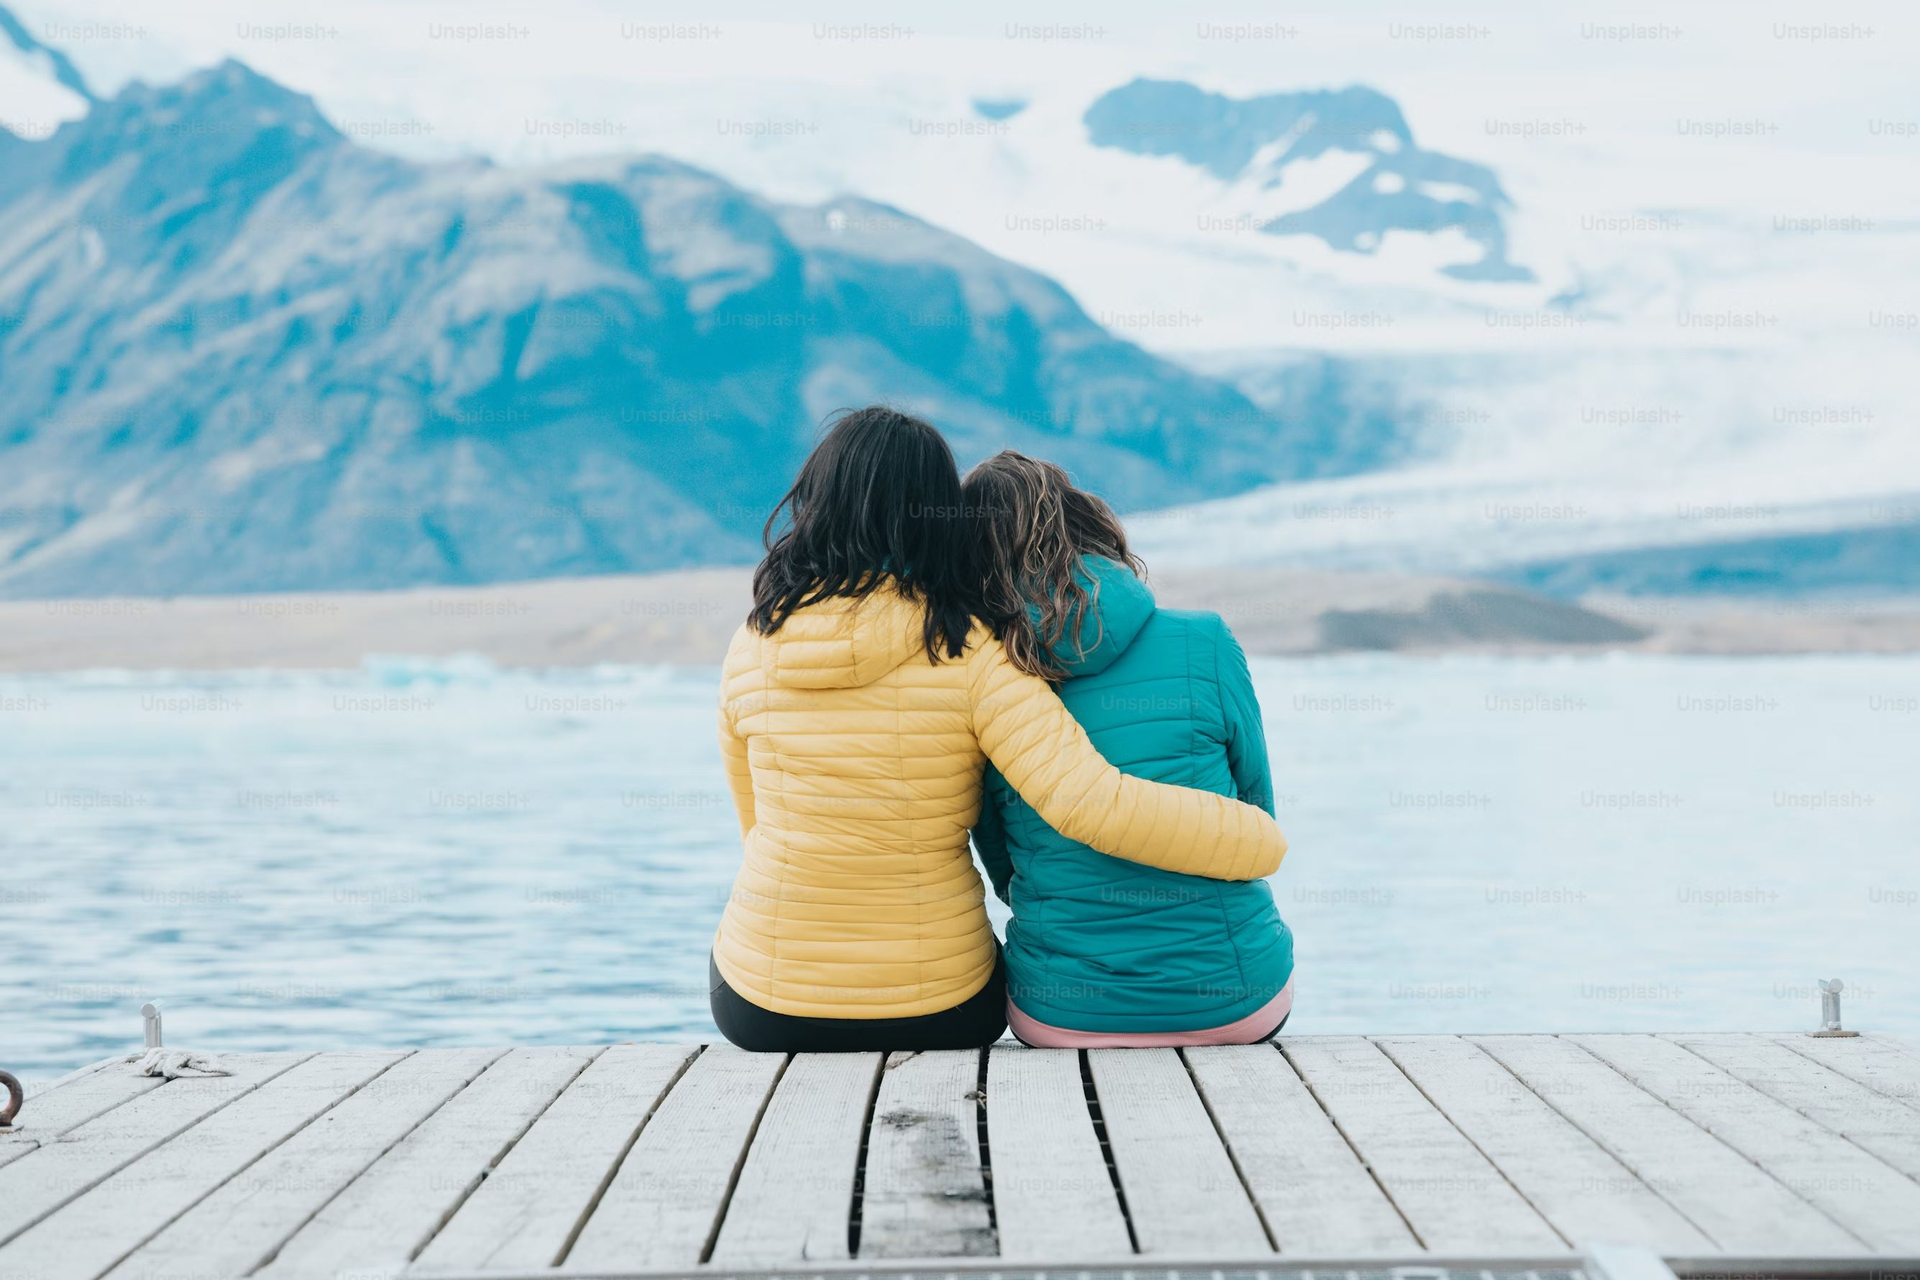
(795, 1192)
(925, 1194)
(70, 1103)
(525, 1213)
(1313, 1192)
(1052, 1194)
(1183, 1194)
(665, 1201)
(1452, 1195)
(675, 1157)
(383, 1218)
(39, 1182)
(1887, 1069)
(240, 1227)
(1874, 1201)
(1874, 1121)
(1587, 1195)
(1739, 1207)
(93, 1232)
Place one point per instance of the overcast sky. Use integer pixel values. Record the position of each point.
(1452, 67)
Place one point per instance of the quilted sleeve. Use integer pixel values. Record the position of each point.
(733, 752)
(1031, 737)
(990, 841)
(1246, 732)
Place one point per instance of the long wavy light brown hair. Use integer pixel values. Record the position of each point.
(1034, 525)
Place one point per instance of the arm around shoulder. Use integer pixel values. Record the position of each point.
(1031, 737)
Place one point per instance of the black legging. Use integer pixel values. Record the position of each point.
(978, 1020)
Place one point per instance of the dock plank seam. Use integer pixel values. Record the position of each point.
(31, 1135)
(740, 1162)
(1793, 1045)
(1798, 1110)
(101, 1175)
(856, 1202)
(1594, 1138)
(593, 1202)
(1347, 1138)
(1707, 1145)
(90, 1069)
(925, 1195)
(986, 1150)
(273, 1255)
(1484, 1155)
(1801, 1154)
(1764, 1171)
(39, 1096)
(1797, 1194)
(1097, 1116)
(1233, 1158)
(184, 1210)
(505, 1150)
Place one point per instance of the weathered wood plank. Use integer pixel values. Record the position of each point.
(664, 1204)
(1183, 1194)
(239, 1227)
(1739, 1207)
(1866, 1060)
(90, 1234)
(387, 1214)
(525, 1213)
(924, 1193)
(1053, 1197)
(70, 1103)
(1587, 1195)
(39, 1182)
(1312, 1191)
(1874, 1121)
(1866, 1196)
(1451, 1195)
(795, 1192)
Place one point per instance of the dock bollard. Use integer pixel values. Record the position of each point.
(16, 1098)
(1830, 989)
(150, 1023)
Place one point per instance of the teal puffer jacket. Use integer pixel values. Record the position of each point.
(1100, 944)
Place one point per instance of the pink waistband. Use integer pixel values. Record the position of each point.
(1254, 1027)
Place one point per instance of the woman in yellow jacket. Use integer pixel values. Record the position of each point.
(859, 707)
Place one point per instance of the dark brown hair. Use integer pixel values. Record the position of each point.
(878, 500)
(1034, 526)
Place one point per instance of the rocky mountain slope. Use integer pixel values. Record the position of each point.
(242, 353)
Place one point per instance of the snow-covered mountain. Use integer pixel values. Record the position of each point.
(1339, 165)
(1783, 467)
(1512, 320)
(241, 352)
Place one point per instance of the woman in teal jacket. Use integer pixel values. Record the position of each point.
(1102, 952)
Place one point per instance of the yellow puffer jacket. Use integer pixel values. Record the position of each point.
(856, 766)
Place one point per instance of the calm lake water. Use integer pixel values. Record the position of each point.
(446, 853)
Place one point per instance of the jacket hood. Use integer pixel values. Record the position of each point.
(1122, 604)
(843, 643)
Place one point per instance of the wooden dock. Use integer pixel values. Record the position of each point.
(1328, 1152)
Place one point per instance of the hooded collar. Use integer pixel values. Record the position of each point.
(1121, 606)
(844, 643)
